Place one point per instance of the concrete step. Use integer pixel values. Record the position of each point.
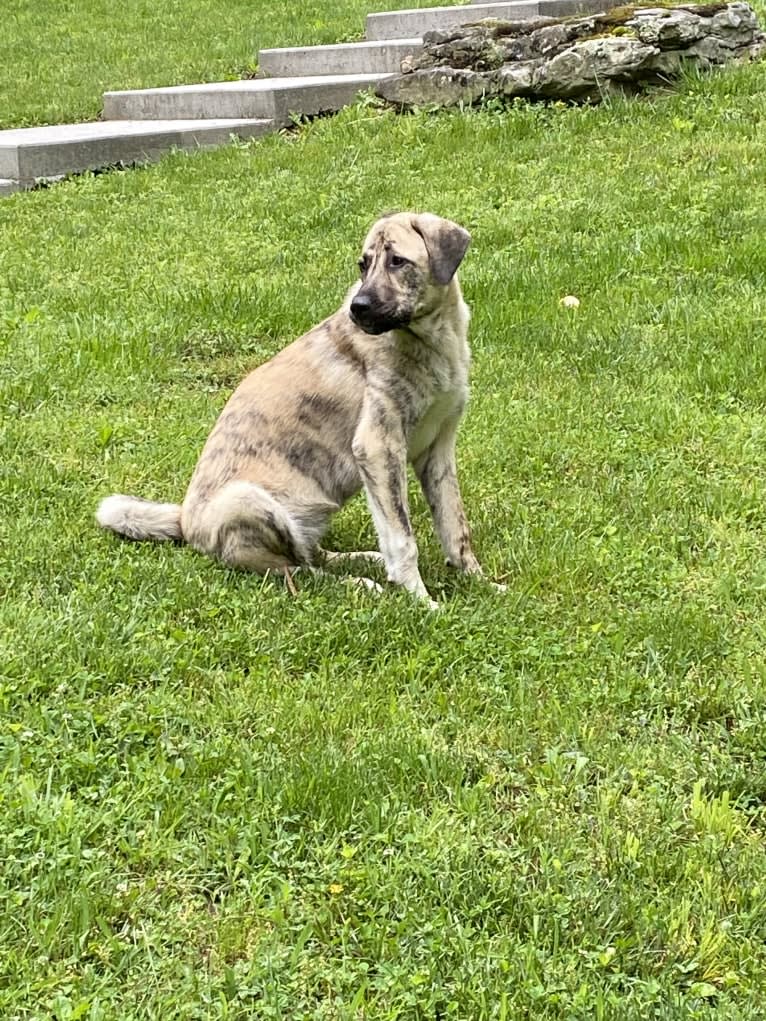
(30, 153)
(409, 23)
(344, 58)
(9, 187)
(275, 99)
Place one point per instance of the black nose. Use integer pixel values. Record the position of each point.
(360, 306)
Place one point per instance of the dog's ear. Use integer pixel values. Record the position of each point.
(446, 243)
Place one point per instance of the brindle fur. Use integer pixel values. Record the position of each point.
(382, 381)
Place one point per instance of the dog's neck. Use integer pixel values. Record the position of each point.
(452, 308)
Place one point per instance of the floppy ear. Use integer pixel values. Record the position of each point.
(446, 243)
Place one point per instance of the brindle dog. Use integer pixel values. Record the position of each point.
(382, 381)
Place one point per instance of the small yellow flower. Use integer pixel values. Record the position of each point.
(336, 888)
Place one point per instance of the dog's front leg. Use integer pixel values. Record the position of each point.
(381, 456)
(437, 471)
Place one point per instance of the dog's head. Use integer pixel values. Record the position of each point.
(408, 260)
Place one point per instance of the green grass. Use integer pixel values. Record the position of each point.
(57, 58)
(221, 802)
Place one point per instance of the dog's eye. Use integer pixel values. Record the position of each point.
(363, 264)
(396, 262)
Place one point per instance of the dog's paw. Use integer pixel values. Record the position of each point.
(366, 583)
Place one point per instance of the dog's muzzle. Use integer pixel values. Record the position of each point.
(371, 319)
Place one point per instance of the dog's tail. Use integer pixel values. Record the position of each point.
(134, 518)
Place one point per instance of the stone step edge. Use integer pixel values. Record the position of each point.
(276, 99)
(10, 187)
(392, 25)
(49, 152)
(337, 58)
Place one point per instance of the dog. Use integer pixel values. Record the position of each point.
(382, 381)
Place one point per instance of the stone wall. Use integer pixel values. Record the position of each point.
(577, 58)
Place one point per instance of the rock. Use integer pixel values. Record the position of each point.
(513, 80)
(674, 30)
(439, 86)
(574, 58)
(479, 52)
(680, 28)
(578, 69)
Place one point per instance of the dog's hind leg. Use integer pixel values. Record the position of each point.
(334, 557)
(246, 527)
(328, 557)
(350, 579)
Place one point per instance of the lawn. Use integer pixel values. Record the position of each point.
(57, 57)
(220, 801)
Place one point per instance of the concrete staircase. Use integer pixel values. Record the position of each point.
(141, 125)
